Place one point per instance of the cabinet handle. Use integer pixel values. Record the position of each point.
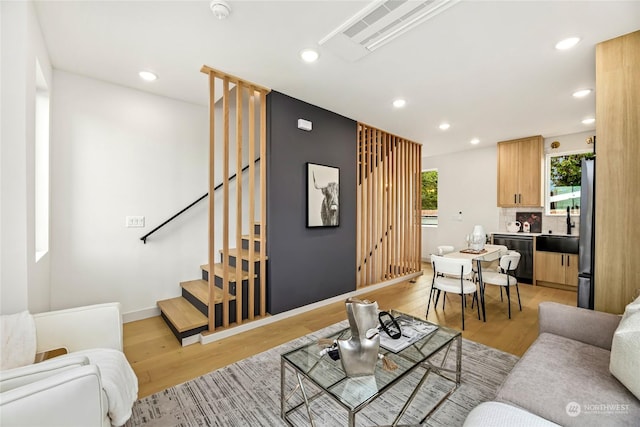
(568, 258)
(562, 260)
(519, 198)
(515, 198)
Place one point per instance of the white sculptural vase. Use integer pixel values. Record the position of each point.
(478, 238)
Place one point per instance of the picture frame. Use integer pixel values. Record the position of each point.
(323, 196)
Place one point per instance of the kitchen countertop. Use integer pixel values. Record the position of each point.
(520, 233)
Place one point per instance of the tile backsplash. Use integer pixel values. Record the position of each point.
(556, 223)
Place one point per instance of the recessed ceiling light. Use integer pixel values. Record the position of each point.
(147, 76)
(399, 103)
(309, 55)
(475, 141)
(589, 121)
(581, 93)
(444, 126)
(567, 43)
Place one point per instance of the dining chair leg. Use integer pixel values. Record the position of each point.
(437, 297)
(509, 299)
(478, 304)
(429, 302)
(462, 310)
(518, 292)
(444, 296)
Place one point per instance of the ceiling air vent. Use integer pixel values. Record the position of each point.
(379, 23)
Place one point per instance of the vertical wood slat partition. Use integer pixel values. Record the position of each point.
(388, 206)
(245, 130)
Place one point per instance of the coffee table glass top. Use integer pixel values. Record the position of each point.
(353, 392)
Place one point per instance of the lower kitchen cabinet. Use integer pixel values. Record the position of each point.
(556, 268)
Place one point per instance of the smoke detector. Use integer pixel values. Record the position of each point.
(220, 9)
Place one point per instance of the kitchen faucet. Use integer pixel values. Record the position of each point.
(569, 223)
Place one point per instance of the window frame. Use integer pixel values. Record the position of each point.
(547, 179)
(437, 191)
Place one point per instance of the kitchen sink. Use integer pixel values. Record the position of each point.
(551, 243)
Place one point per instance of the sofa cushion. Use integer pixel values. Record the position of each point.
(568, 382)
(497, 414)
(625, 352)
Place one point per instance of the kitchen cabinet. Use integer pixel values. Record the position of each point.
(617, 234)
(557, 268)
(520, 166)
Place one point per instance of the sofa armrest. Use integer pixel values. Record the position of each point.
(81, 328)
(70, 398)
(17, 377)
(580, 324)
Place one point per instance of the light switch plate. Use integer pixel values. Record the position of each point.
(134, 221)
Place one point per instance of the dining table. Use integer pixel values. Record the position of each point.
(487, 254)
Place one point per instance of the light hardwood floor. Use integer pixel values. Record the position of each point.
(160, 362)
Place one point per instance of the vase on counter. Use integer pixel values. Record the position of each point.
(477, 238)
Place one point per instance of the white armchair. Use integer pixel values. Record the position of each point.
(92, 385)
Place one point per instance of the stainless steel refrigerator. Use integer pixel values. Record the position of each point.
(587, 234)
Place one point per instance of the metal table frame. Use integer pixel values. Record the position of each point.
(440, 370)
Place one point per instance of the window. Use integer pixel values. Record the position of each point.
(41, 164)
(430, 198)
(564, 173)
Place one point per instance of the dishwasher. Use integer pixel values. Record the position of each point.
(524, 245)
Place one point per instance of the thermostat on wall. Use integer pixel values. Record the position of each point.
(304, 124)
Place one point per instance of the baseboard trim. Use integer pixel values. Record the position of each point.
(132, 316)
(209, 338)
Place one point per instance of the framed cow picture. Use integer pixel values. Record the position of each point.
(323, 196)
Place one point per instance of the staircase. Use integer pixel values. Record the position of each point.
(187, 315)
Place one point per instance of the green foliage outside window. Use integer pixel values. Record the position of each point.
(566, 171)
(430, 190)
(430, 198)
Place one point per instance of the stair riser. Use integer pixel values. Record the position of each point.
(202, 308)
(245, 264)
(182, 335)
(256, 245)
(256, 229)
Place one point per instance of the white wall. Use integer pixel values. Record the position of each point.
(466, 183)
(117, 152)
(24, 284)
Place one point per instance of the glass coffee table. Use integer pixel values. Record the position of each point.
(355, 394)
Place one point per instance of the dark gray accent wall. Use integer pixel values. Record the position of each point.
(307, 265)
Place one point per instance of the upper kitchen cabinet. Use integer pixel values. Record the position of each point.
(617, 201)
(520, 164)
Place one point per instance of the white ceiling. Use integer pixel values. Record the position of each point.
(488, 68)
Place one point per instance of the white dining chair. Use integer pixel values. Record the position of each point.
(452, 275)
(505, 278)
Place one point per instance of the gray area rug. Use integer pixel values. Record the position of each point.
(247, 393)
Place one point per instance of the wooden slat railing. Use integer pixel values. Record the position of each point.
(249, 130)
(388, 206)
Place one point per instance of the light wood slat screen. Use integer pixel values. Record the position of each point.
(388, 206)
(249, 129)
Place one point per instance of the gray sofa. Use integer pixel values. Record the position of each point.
(563, 378)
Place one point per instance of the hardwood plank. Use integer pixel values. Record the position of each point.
(160, 362)
(243, 254)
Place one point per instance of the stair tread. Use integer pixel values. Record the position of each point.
(200, 289)
(218, 272)
(255, 237)
(182, 314)
(244, 253)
